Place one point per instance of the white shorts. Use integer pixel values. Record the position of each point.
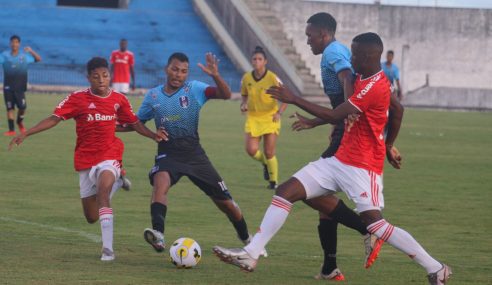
(88, 178)
(121, 87)
(363, 187)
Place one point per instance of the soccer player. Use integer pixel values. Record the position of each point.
(15, 63)
(263, 115)
(175, 107)
(355, 169)
(98, 152)
(122, 62)
(392, 73)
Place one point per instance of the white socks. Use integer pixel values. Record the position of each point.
(403, 241)
(106, 220)
(273, 220)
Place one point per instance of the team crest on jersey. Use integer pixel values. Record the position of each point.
(116, 107)
(184, 102)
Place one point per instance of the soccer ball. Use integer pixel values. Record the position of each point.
(185, 253)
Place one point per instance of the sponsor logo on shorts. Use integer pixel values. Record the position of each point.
(364, 195)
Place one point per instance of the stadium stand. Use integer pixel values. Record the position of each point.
(67, 37)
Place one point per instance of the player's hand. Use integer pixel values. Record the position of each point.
(161, 135)
(394, 157)
(28, 49)
(16, 141)
(276, 117)
(282, 94)
(211, 66)
(350, 120)
(302, 122)
(244, 107)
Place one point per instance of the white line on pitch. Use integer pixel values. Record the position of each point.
(89, 236)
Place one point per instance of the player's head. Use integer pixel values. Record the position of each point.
(98, 75)
(177, 70)
(320, 31)
(389, 56)
(123, 44)
(259, 59)
(15, 41)
(366, 53)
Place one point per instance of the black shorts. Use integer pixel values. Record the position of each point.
(14, 98)
(197, 167)
(336, 139)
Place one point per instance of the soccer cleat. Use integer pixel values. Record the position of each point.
(236, 256)
(440, 277)
(155, 239)
(335, 275)
(9, 134)
(263, 253)
(373, 246)
(266, 175)
(272, 185)
(107, 255)
(22, 129)
(127, 184)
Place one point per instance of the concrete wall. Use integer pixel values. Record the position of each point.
(454, 46)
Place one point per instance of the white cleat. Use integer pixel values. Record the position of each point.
(335, 275)
(155, 239)
(440, 277)
(236, 256)
(263, 253)
(107, 255)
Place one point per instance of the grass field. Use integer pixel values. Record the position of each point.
(442, 196)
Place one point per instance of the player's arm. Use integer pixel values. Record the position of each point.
(43, 125)
(140, 128)
(328, 115)
(244, 103)
(37, 57)
(211, 67)
(394, 122)
(132, 74)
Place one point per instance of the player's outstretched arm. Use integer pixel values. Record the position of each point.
(335, 116)
(211, 68)
(43, 125)
(394, 122)
(159, 136)
(37, 57)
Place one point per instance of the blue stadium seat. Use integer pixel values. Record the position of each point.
(68, 37)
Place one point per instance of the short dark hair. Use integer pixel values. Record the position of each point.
(391, 52)
(96, 62)
(179, 56)
(324, 21)
(369, 38)
(123, 40)
(260, 50)
(15, 37)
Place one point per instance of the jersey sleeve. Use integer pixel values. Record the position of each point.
(337, 61)
(29, 58)
(363, 99)
(146, 112)
(244, 88)
(199, 91)
(111, 58)
(2, 58)
(396, 73)
(131, 60)
(125, 112)
(67, 108)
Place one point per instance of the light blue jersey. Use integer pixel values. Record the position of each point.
(336, 58)
(178, 113)
(391, 72)
(15, 70)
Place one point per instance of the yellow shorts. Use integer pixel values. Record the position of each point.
(261, 125)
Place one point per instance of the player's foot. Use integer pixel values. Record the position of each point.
(22, 129)
(155, 239)
(127, 184)
(236, 256)
(335, 275)
(9, 134)
(272, 185)
(266, 175)
(263, 253)
(440, 277)
(107, 254)
(372, 245)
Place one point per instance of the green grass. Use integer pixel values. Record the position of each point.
(442, 196)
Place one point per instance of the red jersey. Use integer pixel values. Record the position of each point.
(121, 61)
(95, 119)
(363, 146)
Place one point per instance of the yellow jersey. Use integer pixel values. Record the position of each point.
(259, 103)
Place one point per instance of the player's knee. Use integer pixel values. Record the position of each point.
(251, 151)
(370, 217)
(290, 191)
(269, 153)
(91, 219)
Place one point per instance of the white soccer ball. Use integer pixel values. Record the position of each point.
(185, 253)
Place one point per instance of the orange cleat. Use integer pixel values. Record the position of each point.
(372, 251)
(9, 134)
(22, 129)
(335, 275)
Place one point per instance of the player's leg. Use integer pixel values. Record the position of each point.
(9, 98)
(158, 210)
(88, 197)
(252, 145)
(269, 144)
(20, 99)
